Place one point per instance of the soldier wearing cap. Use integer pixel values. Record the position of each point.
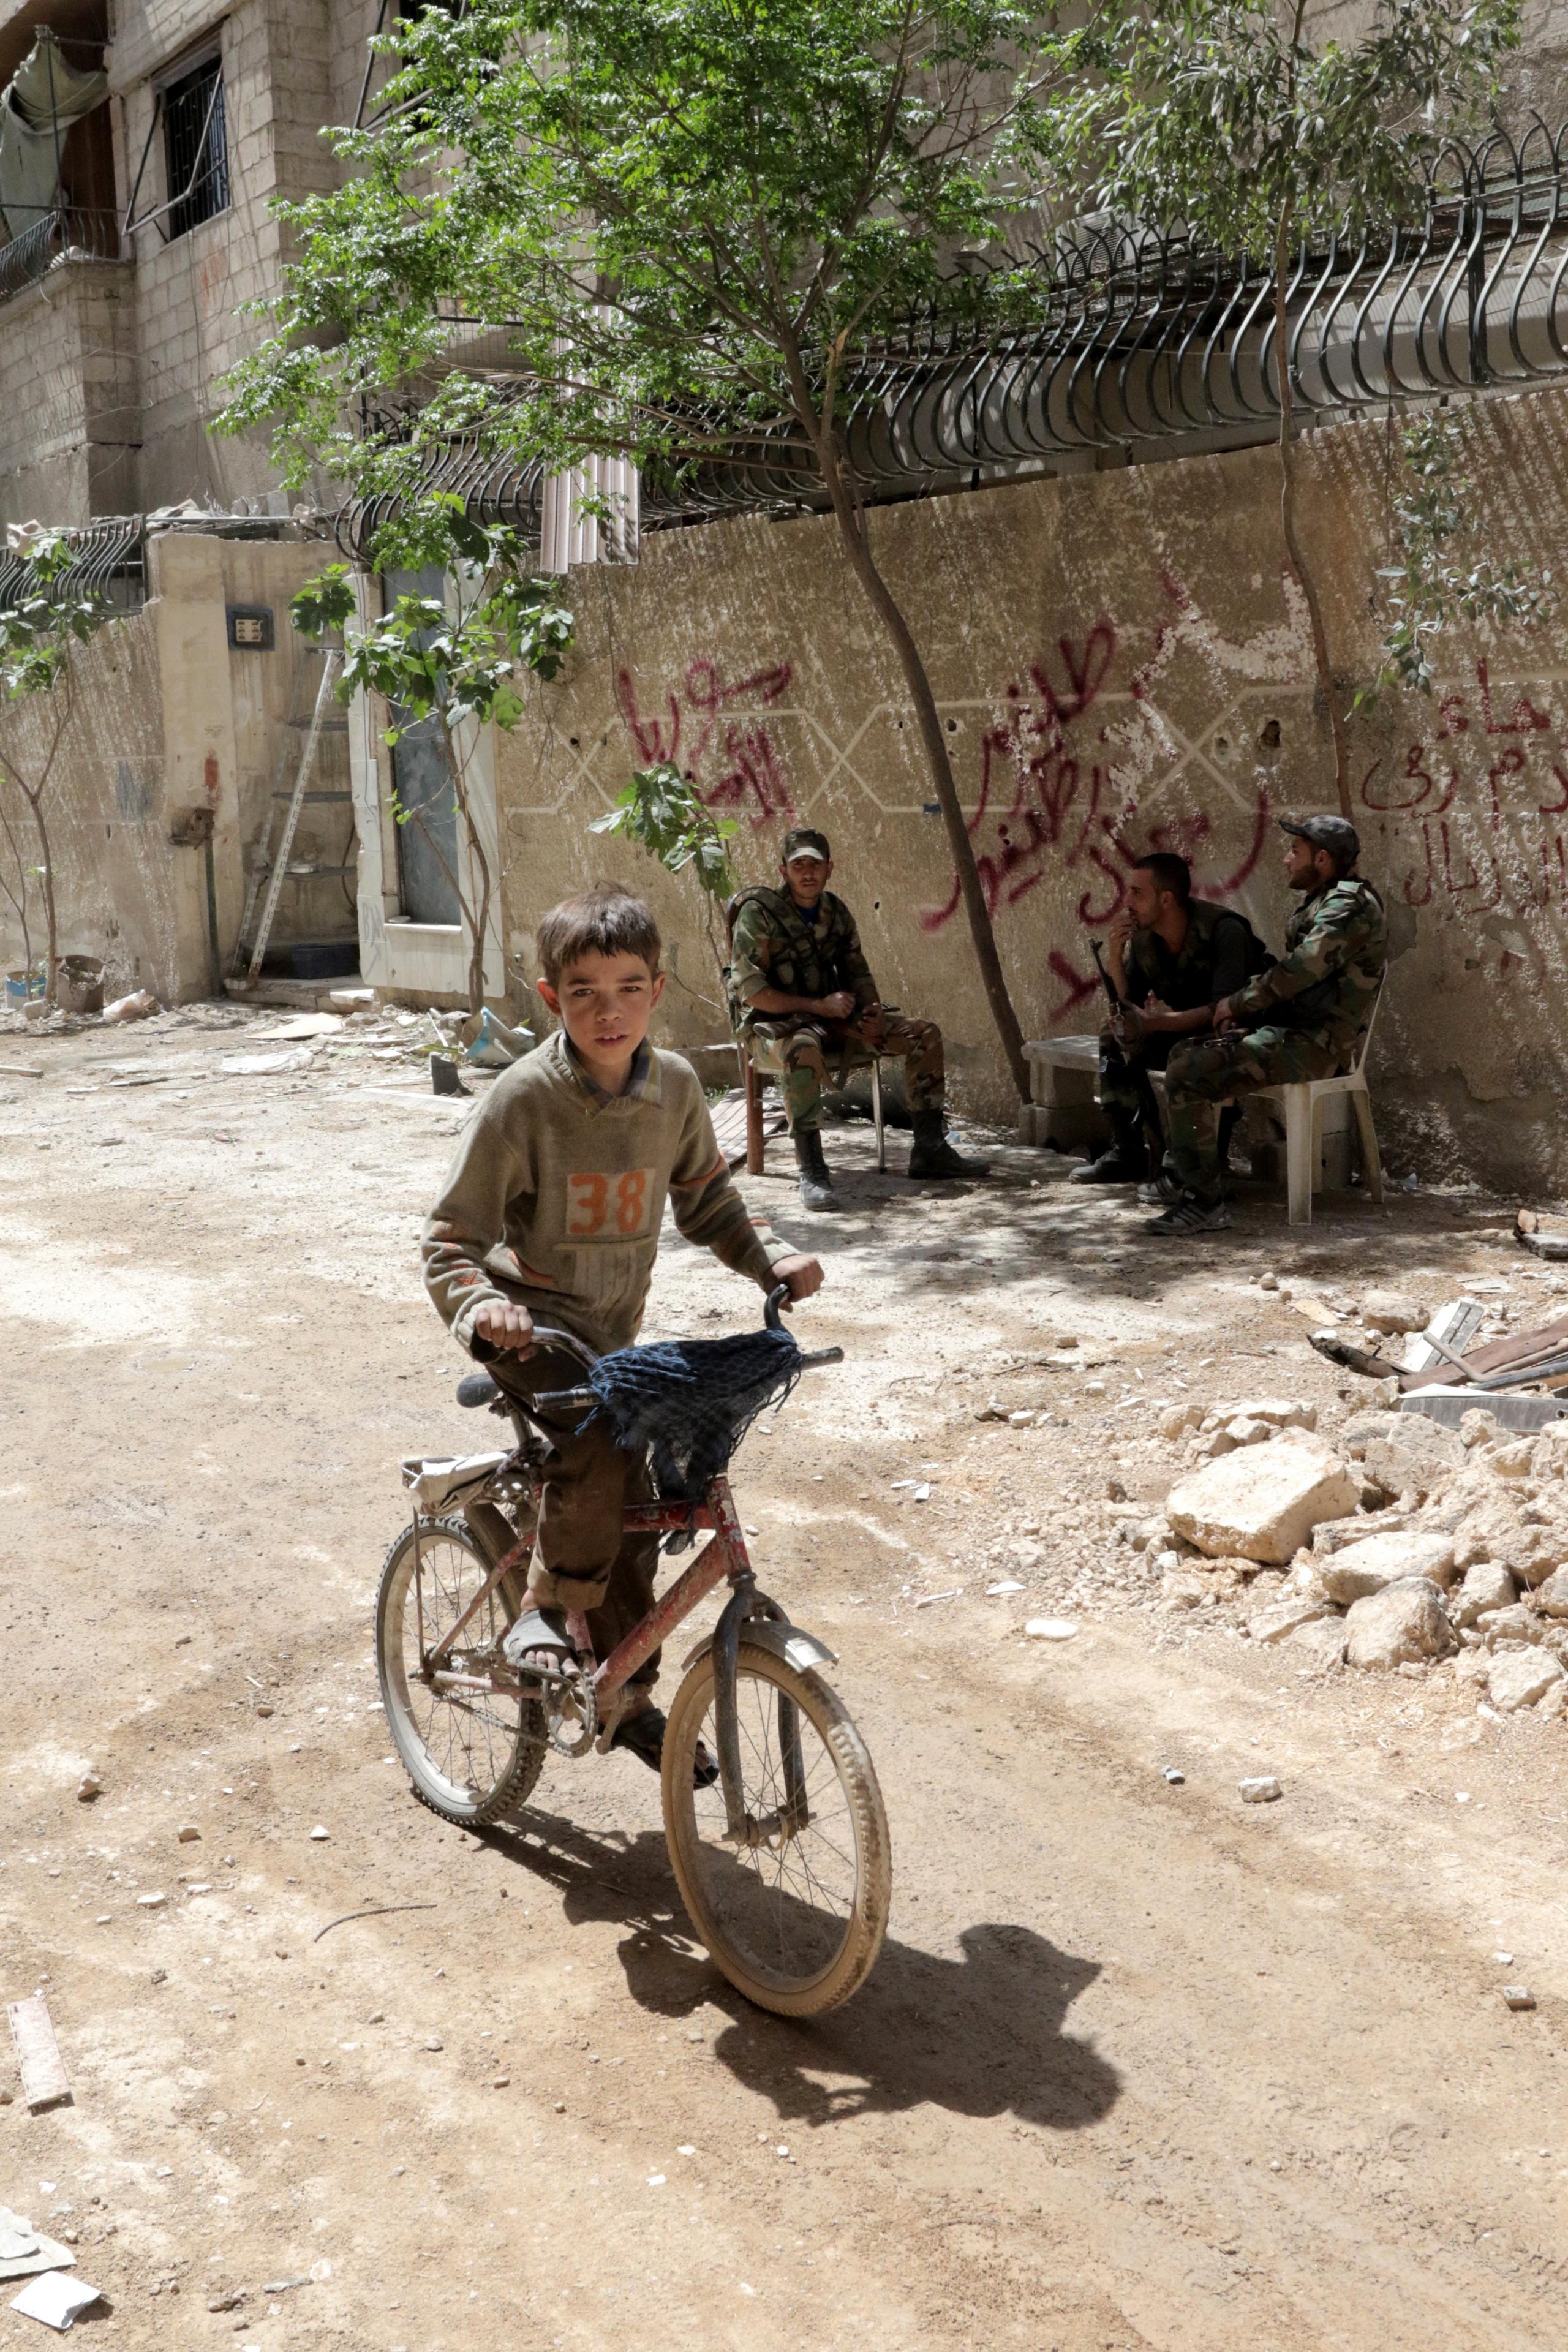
(798, 976)
(1297, 1019)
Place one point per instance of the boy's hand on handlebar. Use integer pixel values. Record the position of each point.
(505, 1326)
(803, 1275)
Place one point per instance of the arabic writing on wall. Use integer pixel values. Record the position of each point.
(693, 734)
(1478, 808)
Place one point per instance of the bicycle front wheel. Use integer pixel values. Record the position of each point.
(795, 1917)
(473, 1755)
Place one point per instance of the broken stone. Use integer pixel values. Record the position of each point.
(187, 1833)
(1519, 1996)
(1519, 1677)
(1351, 1573)
(1551, 1598)
(1414, 1456)
(1324, 1641)
(1551, 1452)
(1244, 1430)
(1284, 1617)
(88, 1787)
(1486, 1586)
(1502, 1629)
(1179, 1420)
(1261, 1502)
(1363, 1428)
(1181, 1588)
(1478, 1427)
(1514, 1460)
(1392, 1311)
(1403, 1621)
(1283, 1413)
(1530, 1548)
(1261, 1790)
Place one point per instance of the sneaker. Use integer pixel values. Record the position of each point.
(1162, 1192)
(1113, 1167)
(1191, 1215)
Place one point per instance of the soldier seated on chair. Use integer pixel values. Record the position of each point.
(1172, 957)
(797, 977)
(1298, 1020)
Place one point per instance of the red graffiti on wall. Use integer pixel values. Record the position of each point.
(695, 735)
(1472, 807)
(1048, 802)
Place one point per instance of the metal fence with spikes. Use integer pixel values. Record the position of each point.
(1141, 342)
(110, 561)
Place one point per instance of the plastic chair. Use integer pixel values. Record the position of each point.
(764, 1058)
(1299, 1105)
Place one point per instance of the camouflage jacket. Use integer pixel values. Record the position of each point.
(774, 945)
(1218, 956)
(1336, 947)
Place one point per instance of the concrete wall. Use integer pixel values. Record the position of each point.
(1119, 666)
(168, 719)
(69, 421)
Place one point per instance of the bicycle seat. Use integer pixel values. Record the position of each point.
(476, 1389)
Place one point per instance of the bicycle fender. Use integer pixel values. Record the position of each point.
(789, 1642)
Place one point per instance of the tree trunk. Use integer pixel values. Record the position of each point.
(51, 974)
(1293, 554)
(881, 596)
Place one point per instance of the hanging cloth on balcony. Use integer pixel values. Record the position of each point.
(37, 106)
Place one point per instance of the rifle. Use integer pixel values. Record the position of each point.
(1128, 1028)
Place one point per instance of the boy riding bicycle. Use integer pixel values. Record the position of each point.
(551, 1212)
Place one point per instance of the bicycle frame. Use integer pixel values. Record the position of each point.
(724, 1556)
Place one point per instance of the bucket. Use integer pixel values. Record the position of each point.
(24, 988)
(81, 983)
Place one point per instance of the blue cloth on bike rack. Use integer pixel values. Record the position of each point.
(692, 1401)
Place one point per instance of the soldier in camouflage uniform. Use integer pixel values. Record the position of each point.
(1313, 1004)
(1172, 957)
(799, 983)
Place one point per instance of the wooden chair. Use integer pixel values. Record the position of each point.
(762, 1057)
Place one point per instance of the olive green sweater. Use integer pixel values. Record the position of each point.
(556, 1195)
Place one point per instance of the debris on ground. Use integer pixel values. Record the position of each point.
(24, 2250)
(140, 1005)
(1261, 1790)
(1545, 1237)
(57, 2301)
(1263, 1504)
(43, 2070)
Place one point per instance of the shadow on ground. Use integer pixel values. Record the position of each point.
(979, 2035)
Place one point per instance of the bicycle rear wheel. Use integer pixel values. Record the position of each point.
(796, 1919)
(473, 1755)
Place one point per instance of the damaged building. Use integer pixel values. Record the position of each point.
(1094, 572)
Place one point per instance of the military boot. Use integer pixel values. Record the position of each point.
(933, 1155)
(816, 1176)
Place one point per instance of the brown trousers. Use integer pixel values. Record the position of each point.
(583, 1561)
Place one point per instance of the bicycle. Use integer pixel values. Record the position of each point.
(784, 1863)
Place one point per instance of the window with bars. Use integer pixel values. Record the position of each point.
(195, 148)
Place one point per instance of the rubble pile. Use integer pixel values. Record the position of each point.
(1404, 1547)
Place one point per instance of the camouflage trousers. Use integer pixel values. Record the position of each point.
(1202, 1076)
(803, 1049)
(1124, 1096)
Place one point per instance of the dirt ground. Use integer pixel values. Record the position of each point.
(1139, 2066)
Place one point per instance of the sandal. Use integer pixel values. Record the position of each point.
(542, 1629)
(643, 1735)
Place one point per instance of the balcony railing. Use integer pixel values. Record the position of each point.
(65, 233)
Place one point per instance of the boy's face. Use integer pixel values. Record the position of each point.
(605, 1003)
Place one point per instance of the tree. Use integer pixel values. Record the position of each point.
(1235, 120)
(40, 638)
(663, 813)
(1438, 578)
(463, 663)
(681, 226)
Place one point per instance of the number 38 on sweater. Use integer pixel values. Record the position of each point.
(610, 1205)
